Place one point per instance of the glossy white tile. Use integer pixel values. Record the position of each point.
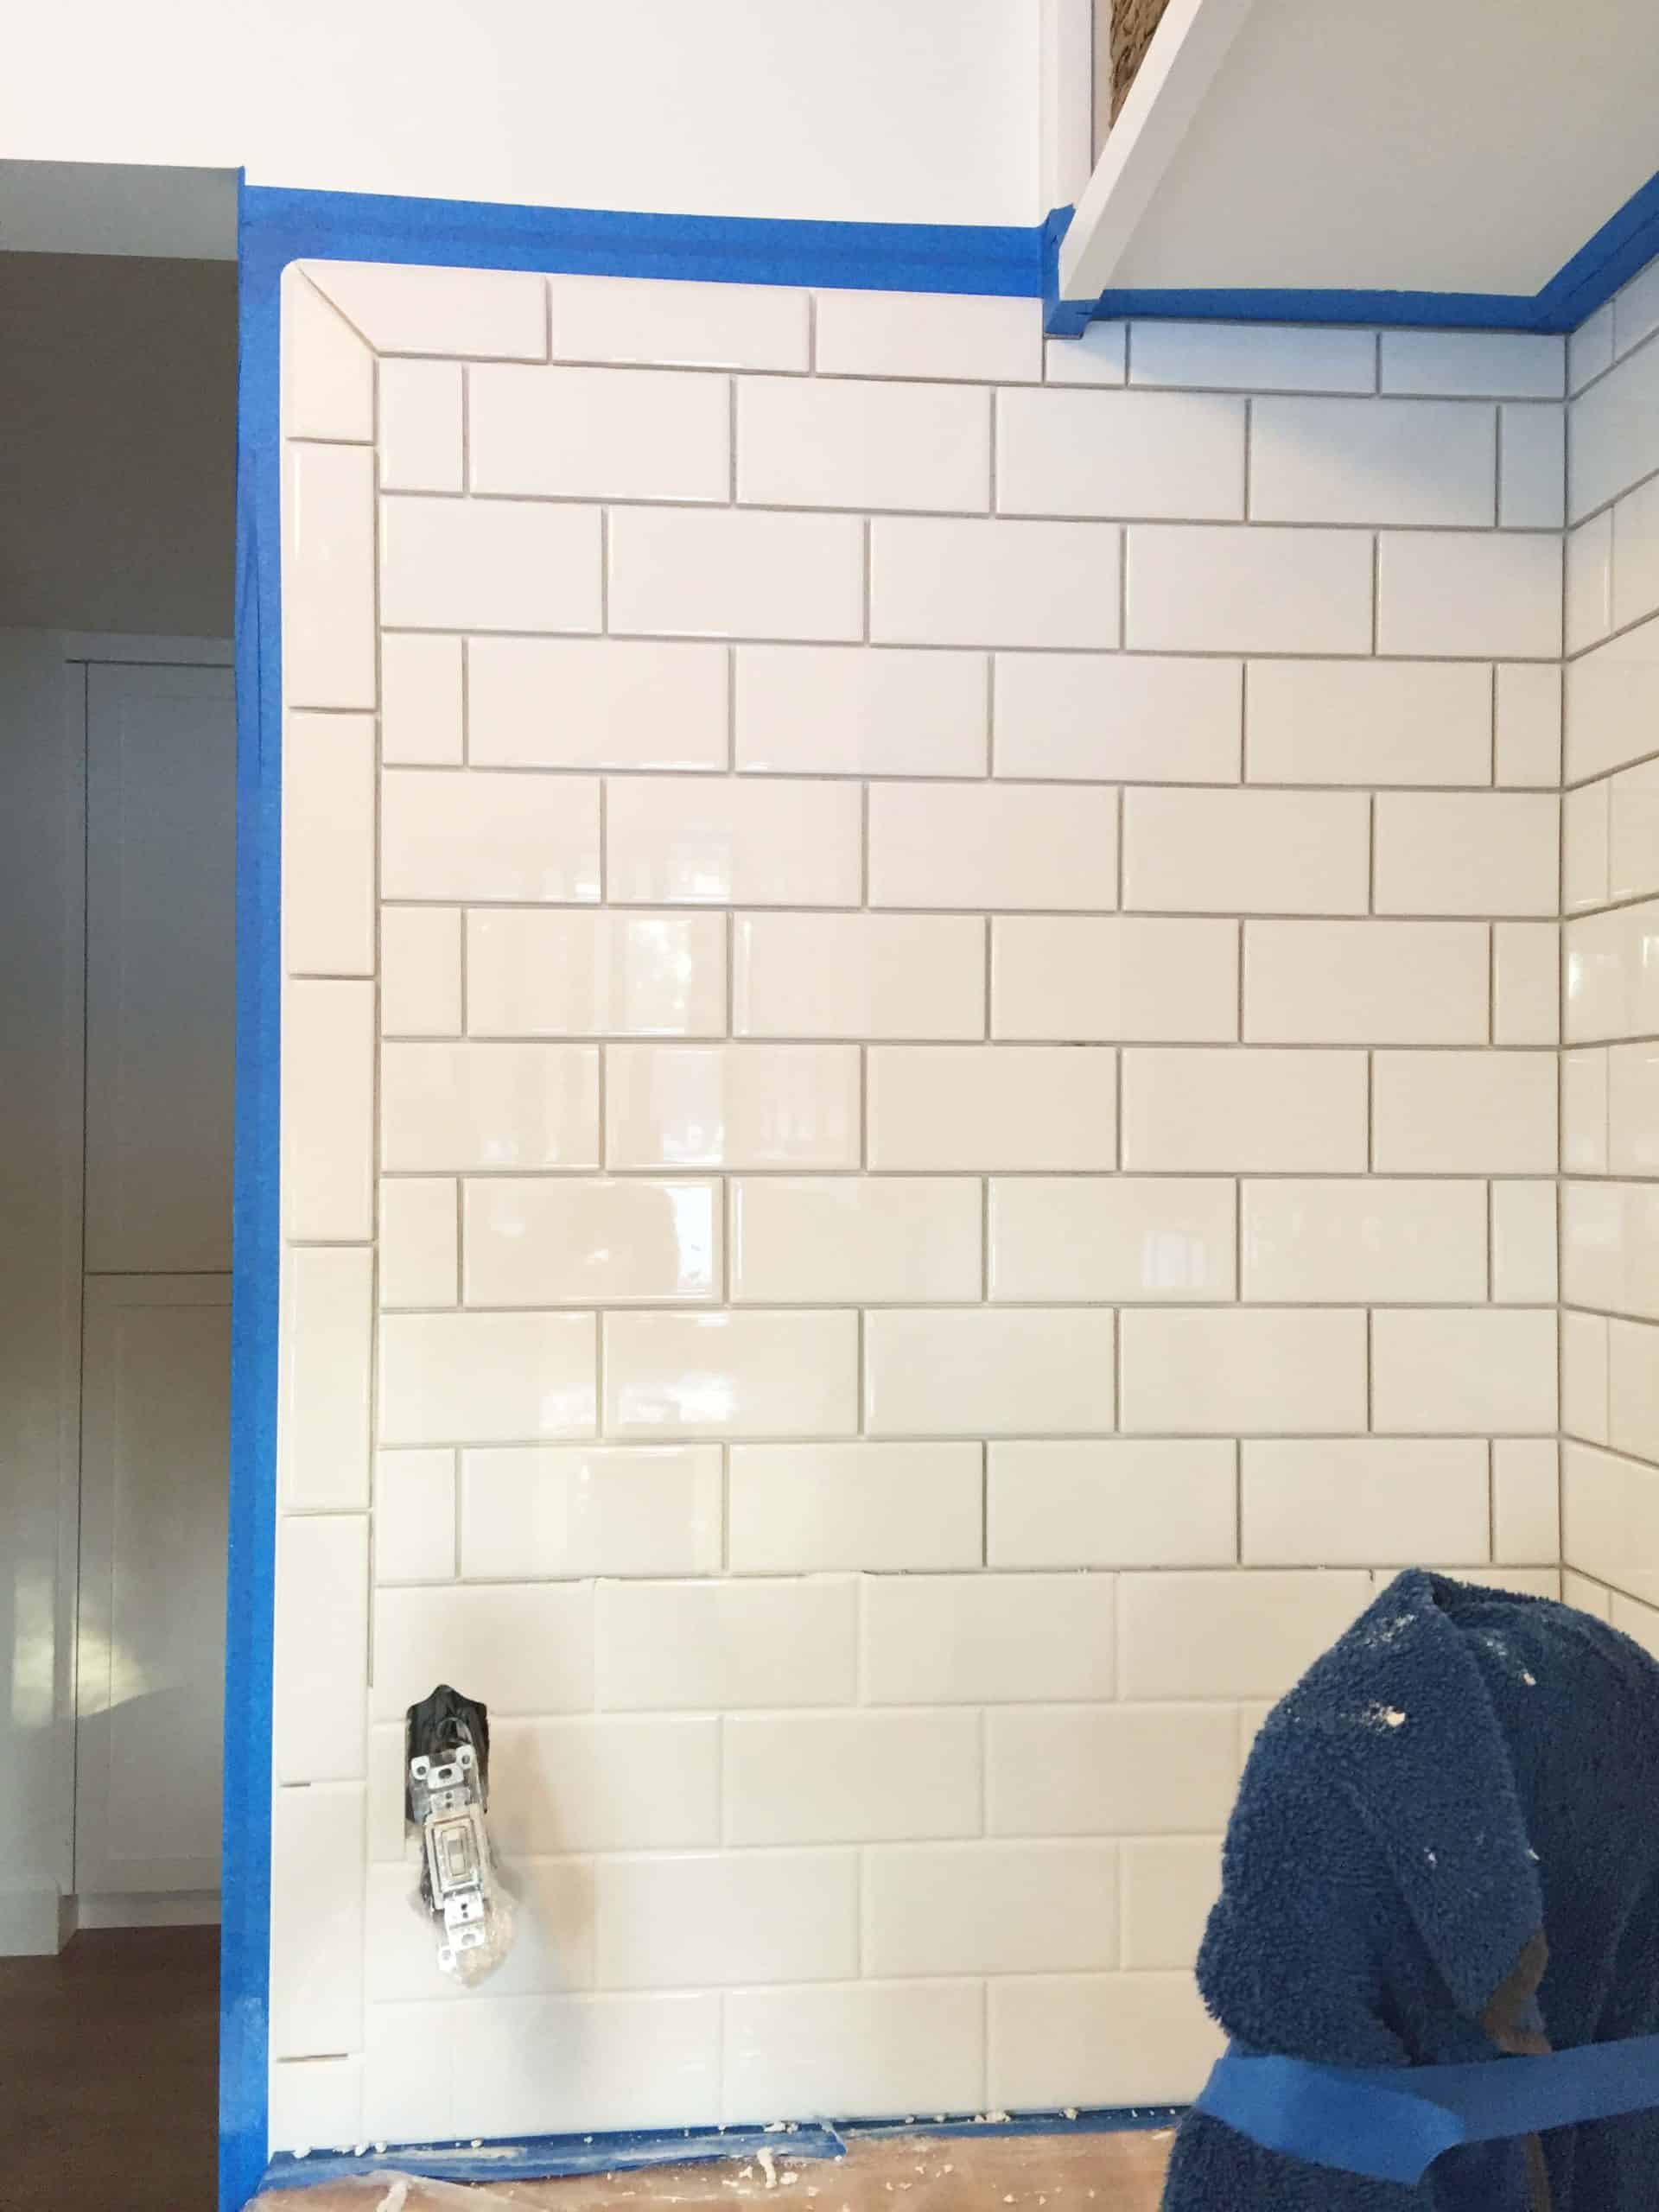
(857, 1239)
(1156, 979)
(421, 433)
(1366, 982)
(564, 1511)
(738, 1106)
(422, 699)
(327, 1086)
(1121, 1503)
(858, 976)
(1199, 1111)
(1368, 722)
(1084, 718)
(814, 443)
(734, 575)
(944, 1107)
(946, 582)
(595, 702)
(1161, 456)
(860, 710)
(733, 842)
(327, 1335)
(990, 1908)
(1111, 1770)
(1385, 1240)
(1238, 1635)
(1449, 853)
(928, 335)
(485, 1378)
(566, 1241)
(1238, 1370)
(1372, 461)
(488, 564)
(727, 1374)
(852, 1778)
(713, 1919)
(545, 974)
(808, 1508)
(1365, 1501)
(681, 325)
(1220, 589)
(1463, 1112)
(1469, 593)
(1455, 1371)
(990, 845)
(480, 834)
(419, 1241)
(328, 845)
(528, 1649)
(1243, 852)
(328, 656)
(414, 1517)
(715, 1646)
(420, 971)
(445, 1108)
(999, 1639)
(1032, 1370)
(598, 434)
(1136, 1239)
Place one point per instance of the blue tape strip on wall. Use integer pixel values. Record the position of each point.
(1390, 2123)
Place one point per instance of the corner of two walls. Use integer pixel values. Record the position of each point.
(921, 1046)
(1610, 1086)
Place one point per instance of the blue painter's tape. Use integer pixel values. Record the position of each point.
(545, 2157)
(1390, 2123)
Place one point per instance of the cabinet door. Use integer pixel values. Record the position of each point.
(154, 1456)
(160, 921)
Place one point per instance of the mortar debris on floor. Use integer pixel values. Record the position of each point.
(905, 2173)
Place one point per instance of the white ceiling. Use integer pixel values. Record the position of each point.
(1418, 145)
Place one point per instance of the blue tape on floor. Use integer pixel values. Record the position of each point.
(546, 2157)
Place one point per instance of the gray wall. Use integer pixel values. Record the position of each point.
(118, 443)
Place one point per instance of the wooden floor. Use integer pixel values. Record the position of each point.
(109, 2065)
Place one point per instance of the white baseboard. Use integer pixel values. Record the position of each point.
(30, 1923)
(169, 1908)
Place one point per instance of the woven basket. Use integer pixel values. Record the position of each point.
(1134, 22)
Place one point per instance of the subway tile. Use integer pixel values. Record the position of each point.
(1635, 312)
(1526, 1500)
(1528, 716)
(327, 1329)
(1194, 1112)
(595, 702)
(603, 2062)
(988, 845)
(1136, 1239)
(1232, 852)
(614, 1241)
(320, 1648)
(317, 1921)
(929, 334)
(1589, 584)
(1633, 831)
(421, 700)
(599, 434)
(1080, 717)
(1577, 1591)
(328, 1084)
(414, 1518)
(1367, 1501)
(1353, 1241)
(814, 443)
(992, 1639)
(523, 1649)
(420, 426)
(1631, 1079)
(735, 575)
(733, 1106)
(1372, 461)
(1076, 980)
(328, 845)
(1597, 1222)
(479, 314)
(551, 1952)
(445, 1108)
(1526, 984)
(1609, 1509)
(1365, 983)
(1524, 1244)
(314, 2101)
(1467, 594)
(1253, 357)
(714, 1918)
(1463, 1112)
(473, 833)
(946, 582)
(420, 971)
(990, 1908)
(1236, 1635)
(1450, 1372)
(715, 1646)
(732, 840)
(680, 325)
(1368, 722)
(419, 1243)
(1585, 842)
(945, 1107)
(1474, 364)
(571, 1510)
(1147, 2034)
(535, 973)
(855, 1239)
(1242, 1371)
(834, 975)
(752, 1374)
(1169, 1886)
(1162, 454)
(1113, 1504)
(328, 655)
(1633, 1388)
(1035, 1370)
(1226, 590)
(870, 2047)
(610, 1781)
(1532, 468)
(1583, 1112)
(1612, 436)
(1451, 853)
(1636, 555)
(1097, 355)
(852, 1778)
(1632, 1618)
(1590, 349)
(488, 564)
(408, 2089)
(485, 1378)
(801, 1509)
(327, 372)
(1611, 973)
(860, 710)
(1114, 1769)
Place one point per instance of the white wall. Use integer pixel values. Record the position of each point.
(925, 111)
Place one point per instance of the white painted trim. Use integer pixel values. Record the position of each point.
(175, 653)
(177, 1909)
(1066, 77)
(1170, 87)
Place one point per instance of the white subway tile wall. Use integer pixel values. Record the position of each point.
(1608, 1526)
(920, 1075)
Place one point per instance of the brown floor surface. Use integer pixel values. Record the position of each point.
(109, 2066)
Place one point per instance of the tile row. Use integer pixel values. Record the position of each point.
(1613, 425)
(898, 710)
(1610, 1382)
(1610, 1110)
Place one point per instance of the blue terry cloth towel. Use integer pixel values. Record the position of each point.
(1445, 1848)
